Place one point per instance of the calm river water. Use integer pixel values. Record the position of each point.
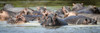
(7, 28)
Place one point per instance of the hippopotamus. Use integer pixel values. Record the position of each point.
(93, 16)
(6, 6)
(63, 10)
(4, 15)
(52, 20)
(19, 19)
(37, 13)
(23, 19)
(41, 8)
(10, 7)
(89, 10)
(15, 21)
(13, 11)
(67, 12)
(78, 20)
(77, 6)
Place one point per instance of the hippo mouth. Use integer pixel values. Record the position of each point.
(93, 23)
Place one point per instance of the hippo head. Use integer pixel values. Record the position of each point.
(26, 9)
(77, 6)
(13, 20)
(94, 9)
(6, 6)
(41, 8)
(89, 22)
(65, 9)
(50, 21)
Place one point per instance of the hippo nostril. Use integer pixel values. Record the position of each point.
(41, 23)
(95, 22)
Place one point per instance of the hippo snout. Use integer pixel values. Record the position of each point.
(93, 22)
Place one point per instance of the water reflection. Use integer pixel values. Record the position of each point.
(51, 27)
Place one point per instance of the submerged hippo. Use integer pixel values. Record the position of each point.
(18, 20)
(77, 6)
(52, 20)
(15, 21)
(32, 17)
(67, 12)
(41, 8)
(77, 20)
(88, 10)
(63, 10)
(10, 7)
(27, 11)
(13, 11)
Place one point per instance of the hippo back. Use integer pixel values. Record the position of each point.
(10, 7)
(79, 19)
(90, 10)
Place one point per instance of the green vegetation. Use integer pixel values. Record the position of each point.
(27, 3)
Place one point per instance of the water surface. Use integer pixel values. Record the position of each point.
(5, 28)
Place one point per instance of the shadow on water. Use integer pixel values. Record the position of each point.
(51, 27)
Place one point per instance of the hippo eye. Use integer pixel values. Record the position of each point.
(88, 20)
(85, 19)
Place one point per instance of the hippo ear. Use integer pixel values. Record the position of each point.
(73, 4)
(81, 3)
(69, 9)
(45, 7)
(87, 21)
(55, 14)
(38, 7)
(64, 6)
(94, 6)
(38, 18)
